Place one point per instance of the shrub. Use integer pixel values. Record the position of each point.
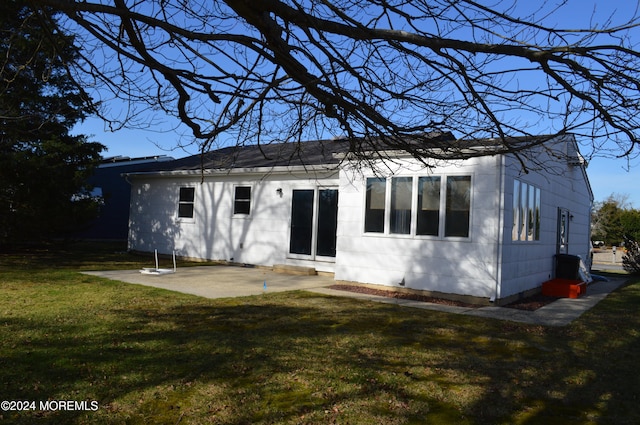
(631, 260)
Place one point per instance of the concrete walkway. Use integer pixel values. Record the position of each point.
(228, 281)
(559, 313)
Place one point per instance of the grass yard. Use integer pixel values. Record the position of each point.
(152, 356)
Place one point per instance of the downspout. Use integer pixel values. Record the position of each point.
(499, 244)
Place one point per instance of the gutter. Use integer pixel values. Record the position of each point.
(499, 245)
(281, 170)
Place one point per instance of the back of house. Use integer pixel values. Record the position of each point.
(484, 228)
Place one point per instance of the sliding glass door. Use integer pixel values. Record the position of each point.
(314, 221)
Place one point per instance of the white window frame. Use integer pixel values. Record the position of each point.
(192, 203)
(387, 205)
(443, 211)
(249, 201)
(441, 207)
(523, 230)
(414, 208)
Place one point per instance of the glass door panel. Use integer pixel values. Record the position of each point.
(327, 222)
(301, 222)
(562, 246)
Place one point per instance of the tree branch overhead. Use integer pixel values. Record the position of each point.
(243, 72)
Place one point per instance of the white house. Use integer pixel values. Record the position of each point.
(485, 227)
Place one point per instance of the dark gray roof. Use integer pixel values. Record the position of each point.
(311, 153)
(269, 155)
(332, 152)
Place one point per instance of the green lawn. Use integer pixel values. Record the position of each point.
(153, 356)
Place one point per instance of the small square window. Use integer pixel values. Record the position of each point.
(242, 200)
(185, 202)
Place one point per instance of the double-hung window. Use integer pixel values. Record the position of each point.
(186, 202)
(437, 206)
(242, 200)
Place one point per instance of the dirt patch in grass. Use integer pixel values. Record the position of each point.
(530, 303)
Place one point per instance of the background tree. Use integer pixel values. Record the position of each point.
(606, 225)
(245, 71)
(630, 222)
(614, 219)
(43, 169)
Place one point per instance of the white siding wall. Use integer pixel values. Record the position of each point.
(466, 266)
(470, 266)
(215, 233)
(526, 265)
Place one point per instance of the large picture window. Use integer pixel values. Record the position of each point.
(185, 202)
(526, 212)
(420, 206)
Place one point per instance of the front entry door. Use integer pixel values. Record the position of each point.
(314, 220)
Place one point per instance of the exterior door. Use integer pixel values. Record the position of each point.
(562, 244)
(327, 223)
(314, 220)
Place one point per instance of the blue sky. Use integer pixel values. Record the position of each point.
(607, 175)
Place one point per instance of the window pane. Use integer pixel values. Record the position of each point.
(243, 192)
(242, 200)
(185, 210)
(537, 214)
(327, 222)
(458, 206)
(428, 206)
(187, 194)
(301, 222)
(523, 211)
(531, 214)
(516, 211)
(401, 193)
(375, 204)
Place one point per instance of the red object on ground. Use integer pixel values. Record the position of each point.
(564, 288)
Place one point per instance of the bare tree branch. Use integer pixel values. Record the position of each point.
(254, 71)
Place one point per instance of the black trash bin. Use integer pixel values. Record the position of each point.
(567, 266)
